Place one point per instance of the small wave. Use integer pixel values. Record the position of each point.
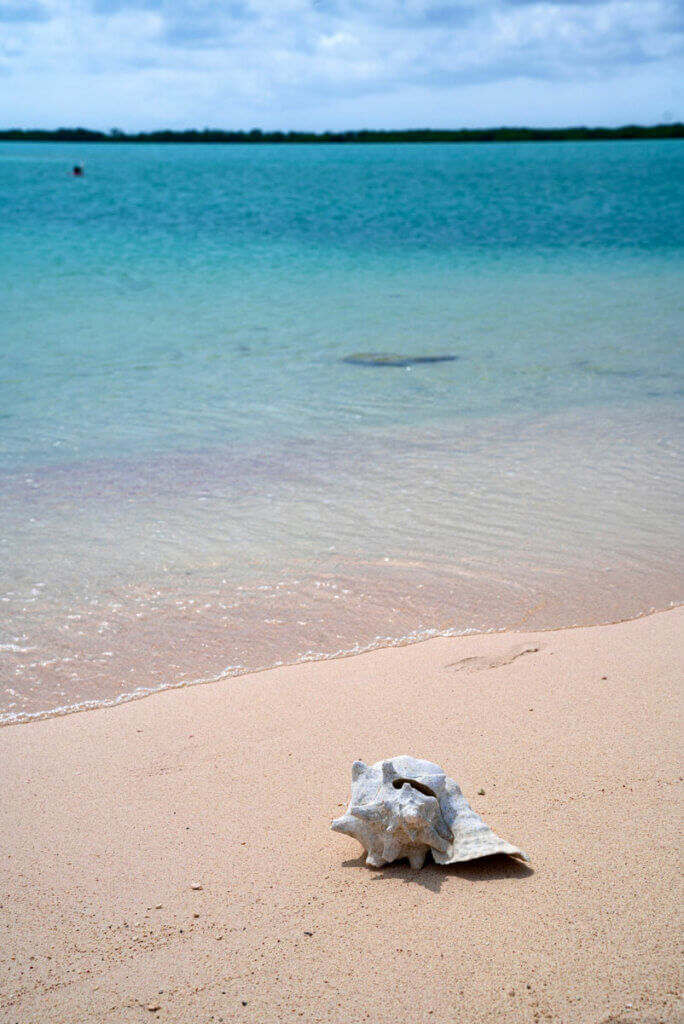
(234, 671)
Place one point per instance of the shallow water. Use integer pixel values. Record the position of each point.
(196, 477)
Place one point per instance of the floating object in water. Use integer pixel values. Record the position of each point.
(78, 171)
(386, 359)
(404, 807)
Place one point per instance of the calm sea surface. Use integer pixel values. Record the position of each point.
(195, 477)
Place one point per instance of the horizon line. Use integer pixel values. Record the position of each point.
(668, 130)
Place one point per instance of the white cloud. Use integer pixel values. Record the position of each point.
(339, 39)
(338, 63)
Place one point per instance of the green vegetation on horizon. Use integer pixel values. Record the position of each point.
(659, 131)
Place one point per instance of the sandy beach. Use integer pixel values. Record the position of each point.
(171, 858)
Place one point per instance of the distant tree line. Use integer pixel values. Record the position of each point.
(631, 131)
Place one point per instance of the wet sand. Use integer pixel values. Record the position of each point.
(109, 818)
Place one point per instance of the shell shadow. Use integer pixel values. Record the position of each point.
(433, 876)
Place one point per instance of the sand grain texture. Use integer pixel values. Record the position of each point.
(108, 819)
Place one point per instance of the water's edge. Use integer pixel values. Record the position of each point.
(8, 719)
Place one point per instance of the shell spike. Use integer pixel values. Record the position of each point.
(417, 858)
(369, 812)
(345, 824)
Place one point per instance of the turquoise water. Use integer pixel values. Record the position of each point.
(196, 480)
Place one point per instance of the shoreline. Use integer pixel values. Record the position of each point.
(8, 719)
(564, 520)
(108, 821)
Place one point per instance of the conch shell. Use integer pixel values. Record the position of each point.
(403, 807)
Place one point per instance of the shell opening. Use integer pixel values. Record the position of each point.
(420, 786)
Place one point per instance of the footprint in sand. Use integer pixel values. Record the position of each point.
(478, 664)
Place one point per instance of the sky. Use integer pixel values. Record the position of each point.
(339, 64)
